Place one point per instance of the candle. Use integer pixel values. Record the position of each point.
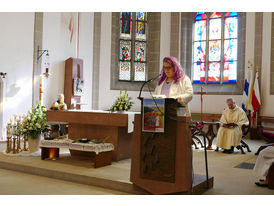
(41, 88)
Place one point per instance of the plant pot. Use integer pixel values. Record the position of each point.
(34, 144)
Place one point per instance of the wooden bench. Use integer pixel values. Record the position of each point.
(211, 123)
(101, 153)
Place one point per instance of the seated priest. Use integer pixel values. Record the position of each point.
(174, 83)
(263, 164)
(230, 132)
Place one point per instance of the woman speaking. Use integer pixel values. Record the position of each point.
(174, 83)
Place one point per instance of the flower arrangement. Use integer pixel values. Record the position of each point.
(34, 122)
(122, 103)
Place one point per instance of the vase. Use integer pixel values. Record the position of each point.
(34, 144)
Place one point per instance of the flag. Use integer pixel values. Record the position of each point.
(248, 88)
(256, 100)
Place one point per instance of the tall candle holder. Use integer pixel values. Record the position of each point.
(14, 145)
(8, 138)
(8, 145)
(25, 141)
(18, 148)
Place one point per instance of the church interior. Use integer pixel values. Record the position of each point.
(72, 67)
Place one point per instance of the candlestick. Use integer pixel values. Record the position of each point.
(14, 146)
(25, 140)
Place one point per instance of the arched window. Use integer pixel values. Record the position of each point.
(133, 46)
(215, 48)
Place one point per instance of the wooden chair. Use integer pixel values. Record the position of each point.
(245, 130)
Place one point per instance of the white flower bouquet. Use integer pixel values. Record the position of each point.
(122, 103)
(34, 122)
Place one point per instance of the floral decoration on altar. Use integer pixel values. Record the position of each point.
(122, 103)
(34, 123)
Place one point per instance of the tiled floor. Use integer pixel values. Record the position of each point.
(227, 178)
(16, 183)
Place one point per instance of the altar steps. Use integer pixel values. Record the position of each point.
(199, 184)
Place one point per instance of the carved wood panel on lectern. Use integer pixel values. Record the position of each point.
(158, 150)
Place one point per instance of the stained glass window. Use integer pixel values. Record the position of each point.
(140, 49)
(133, 46)
(125, 25)
(199, 51)
(125, 50)
(199, 72)
(215, 29)
(200, 30)
(230, 47)
(125, 71)
(140, 72)
(215, 54)
(215, 50)
(199, 48)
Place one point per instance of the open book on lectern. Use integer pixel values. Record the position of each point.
(164, 96)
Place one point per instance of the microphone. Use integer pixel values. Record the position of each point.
(150, 80)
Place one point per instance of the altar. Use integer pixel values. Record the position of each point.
(115, 128)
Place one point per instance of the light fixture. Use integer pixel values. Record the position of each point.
(3, 74)
(40, 53)
(46, 65)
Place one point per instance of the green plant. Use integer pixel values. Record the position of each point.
(122, 103)
(35, 121)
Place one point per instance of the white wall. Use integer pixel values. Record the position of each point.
(86, 53)
(56, 39)
(16, 58)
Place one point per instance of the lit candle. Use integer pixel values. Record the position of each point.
(41, 88)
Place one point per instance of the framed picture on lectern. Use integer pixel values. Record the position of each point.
(153, 115)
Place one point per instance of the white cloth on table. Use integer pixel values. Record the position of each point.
(88, 147)
(227, 137)
(264, 161)
(130, 117)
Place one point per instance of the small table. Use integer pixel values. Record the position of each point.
(101, 152)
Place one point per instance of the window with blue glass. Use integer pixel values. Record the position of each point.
(215, 45)
(133, 46)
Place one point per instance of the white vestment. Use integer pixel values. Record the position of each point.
(227, 137)
(182, 89)
(264, 161)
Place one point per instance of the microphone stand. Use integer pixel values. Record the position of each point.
(139, 97)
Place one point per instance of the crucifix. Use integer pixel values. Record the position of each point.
(202, 93)
(204, 136)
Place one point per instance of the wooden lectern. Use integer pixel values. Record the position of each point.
(162, 162)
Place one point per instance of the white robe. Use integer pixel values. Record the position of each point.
(182, 89)
(227, 137)
(264, 161)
